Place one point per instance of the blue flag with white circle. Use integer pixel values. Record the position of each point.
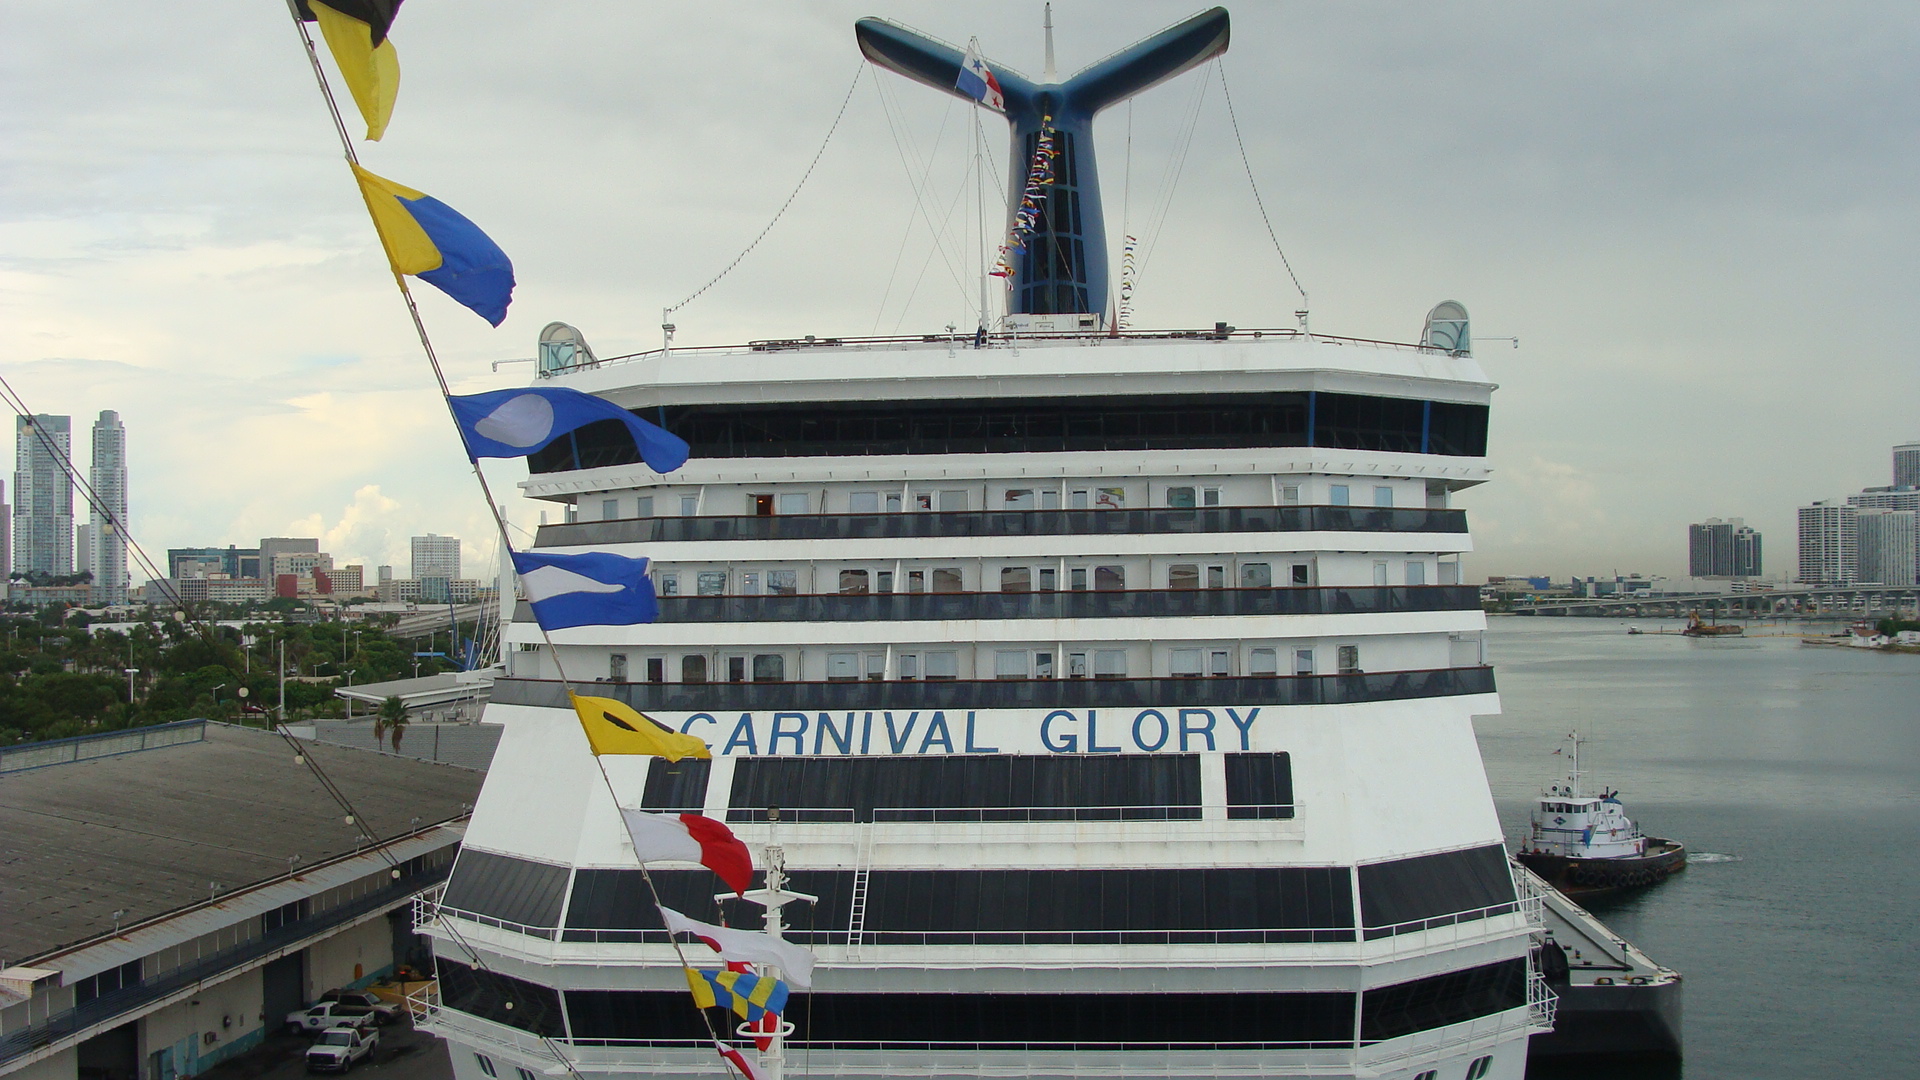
(596, 588)
(515, 423)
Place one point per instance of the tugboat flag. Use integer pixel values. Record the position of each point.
(592, 589)
(430, 240)
(751, 996)
(613, 727)
(515, 423)
(356, 33)
(747, 946)
(695, 839)
(738, 1059)
(977, 82)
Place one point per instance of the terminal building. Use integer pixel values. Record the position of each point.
(169, 894)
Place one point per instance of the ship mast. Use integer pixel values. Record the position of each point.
(773, 1059)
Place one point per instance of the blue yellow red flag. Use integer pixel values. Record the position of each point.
(430, 240)
(750, 996)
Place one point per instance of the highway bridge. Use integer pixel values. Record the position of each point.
(1833, 600)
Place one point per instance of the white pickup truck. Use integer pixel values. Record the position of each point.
(332, 1014)
(339, 1049)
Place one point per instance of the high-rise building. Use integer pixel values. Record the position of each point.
(272, 547)
(83, 551)
(108, 479)
(386, 574)
(1722, 549)
(6, 542)
(1887, 498)
(1829, 544)
(1887, 542)
(436, 557)
(1906, 465)
(43, 494)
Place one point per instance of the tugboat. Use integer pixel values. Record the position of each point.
(1585, 845)
(1697, 628)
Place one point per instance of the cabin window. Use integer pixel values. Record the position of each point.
(609, 509)
(883, 581)
(943, 666)
(1077, 665)
(1338, 495)
(1043, 665)
(486, 1064)
(617, 667)
(946, 579)
(1216, 577)
(693, 668)
(1303, 661)
(1017, 499)
(853, 583)
(1480, 1067)
(1301, 572)
(1259, 786)
(1079, 500)
(1263, 662)
(1077, 579)
(736, 669)
(1348, 657)
(1383, 496)
(760, 505)
(1379, 572)
(1256, 575)
(1217, 663)
(1110, 664)
(953, 500)
(1185, 664)
(843, 667)
(669, 584)
(1049, 500)
(893, 502)
(923, 500)
(643, 506)
(1290, 494)
(1049, 579)
(916, 581)
(1183, 576)
(1109, 498)
(793, 502)
(1416, 572)
(656, 669)
(769, 667)
(1010, 664)
(711, 583)
(1016, 579)
(783, 583)
(1210, 496)
(864, 502)
(1180, 498)
(1109, 578)
(908, 665)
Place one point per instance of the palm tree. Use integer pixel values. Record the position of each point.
(392, 717)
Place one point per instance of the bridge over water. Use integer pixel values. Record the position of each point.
(1835, 600)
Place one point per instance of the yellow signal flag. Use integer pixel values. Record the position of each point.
(372, 70)
(613, 727)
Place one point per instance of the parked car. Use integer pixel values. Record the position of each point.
(384, 1011)
(341, 1048)
(331, 1014)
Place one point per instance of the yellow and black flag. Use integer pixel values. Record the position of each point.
(614, 727)
(356, 33)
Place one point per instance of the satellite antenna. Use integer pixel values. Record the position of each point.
(1446, 329)
(562, 348)
(1064, 267)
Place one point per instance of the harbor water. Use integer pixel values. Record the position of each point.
(1792, 773)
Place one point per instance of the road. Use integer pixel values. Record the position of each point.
(404, 1054)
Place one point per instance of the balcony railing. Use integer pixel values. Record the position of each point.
(969, 523)
(107, 1006)
(1162, 603)
(1251, 690)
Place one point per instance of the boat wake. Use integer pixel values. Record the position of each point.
(1711, 857)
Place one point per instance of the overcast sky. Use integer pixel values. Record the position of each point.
(1699, 220)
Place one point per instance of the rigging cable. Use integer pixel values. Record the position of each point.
(1257, 201)
(913, 216)
(1170, 180)
(906, 149)
(790, 197)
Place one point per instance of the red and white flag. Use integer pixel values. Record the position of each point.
(748, 946)
(738, 1059)
(691, 838)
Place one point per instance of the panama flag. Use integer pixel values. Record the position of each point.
(691, 838)
(515, 423)
(748, 947)
(977, 82)
(595, 588)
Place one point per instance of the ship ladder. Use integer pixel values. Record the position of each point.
(857, 913)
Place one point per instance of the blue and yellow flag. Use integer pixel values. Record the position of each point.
(751, 996)
(430, 240)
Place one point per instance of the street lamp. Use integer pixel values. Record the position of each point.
(131, 672)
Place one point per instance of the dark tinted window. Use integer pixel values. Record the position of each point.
(1453, 998)
(618, 900)
(964, 787)
(1433, 887)
(676, 786)
(1458, 430)
(1259, 786)
(488, 995)
(502, 887)
(1004, 1021)
(1356, 422)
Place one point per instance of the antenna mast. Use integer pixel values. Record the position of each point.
(1051, 74)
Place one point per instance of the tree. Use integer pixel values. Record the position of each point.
(391, 718)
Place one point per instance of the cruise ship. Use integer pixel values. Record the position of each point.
(1101, 699)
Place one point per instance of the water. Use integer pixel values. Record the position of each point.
(1795, 772)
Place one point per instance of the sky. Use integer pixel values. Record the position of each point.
(1700, 221)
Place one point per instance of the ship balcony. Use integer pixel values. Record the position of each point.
(1212, 520)
(962, 695)
(1103, 604)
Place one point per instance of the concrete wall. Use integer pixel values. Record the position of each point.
(230, 1010)
(350, 958)
(62, 1066)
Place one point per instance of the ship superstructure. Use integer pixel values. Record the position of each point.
(1110, 694)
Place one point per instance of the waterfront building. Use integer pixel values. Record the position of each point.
(142, 941)
(43, 494)
(1887, 545)
(1722, 549)
(436, 556)
(108, 509)
(1906, 465)
(1829, 544)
